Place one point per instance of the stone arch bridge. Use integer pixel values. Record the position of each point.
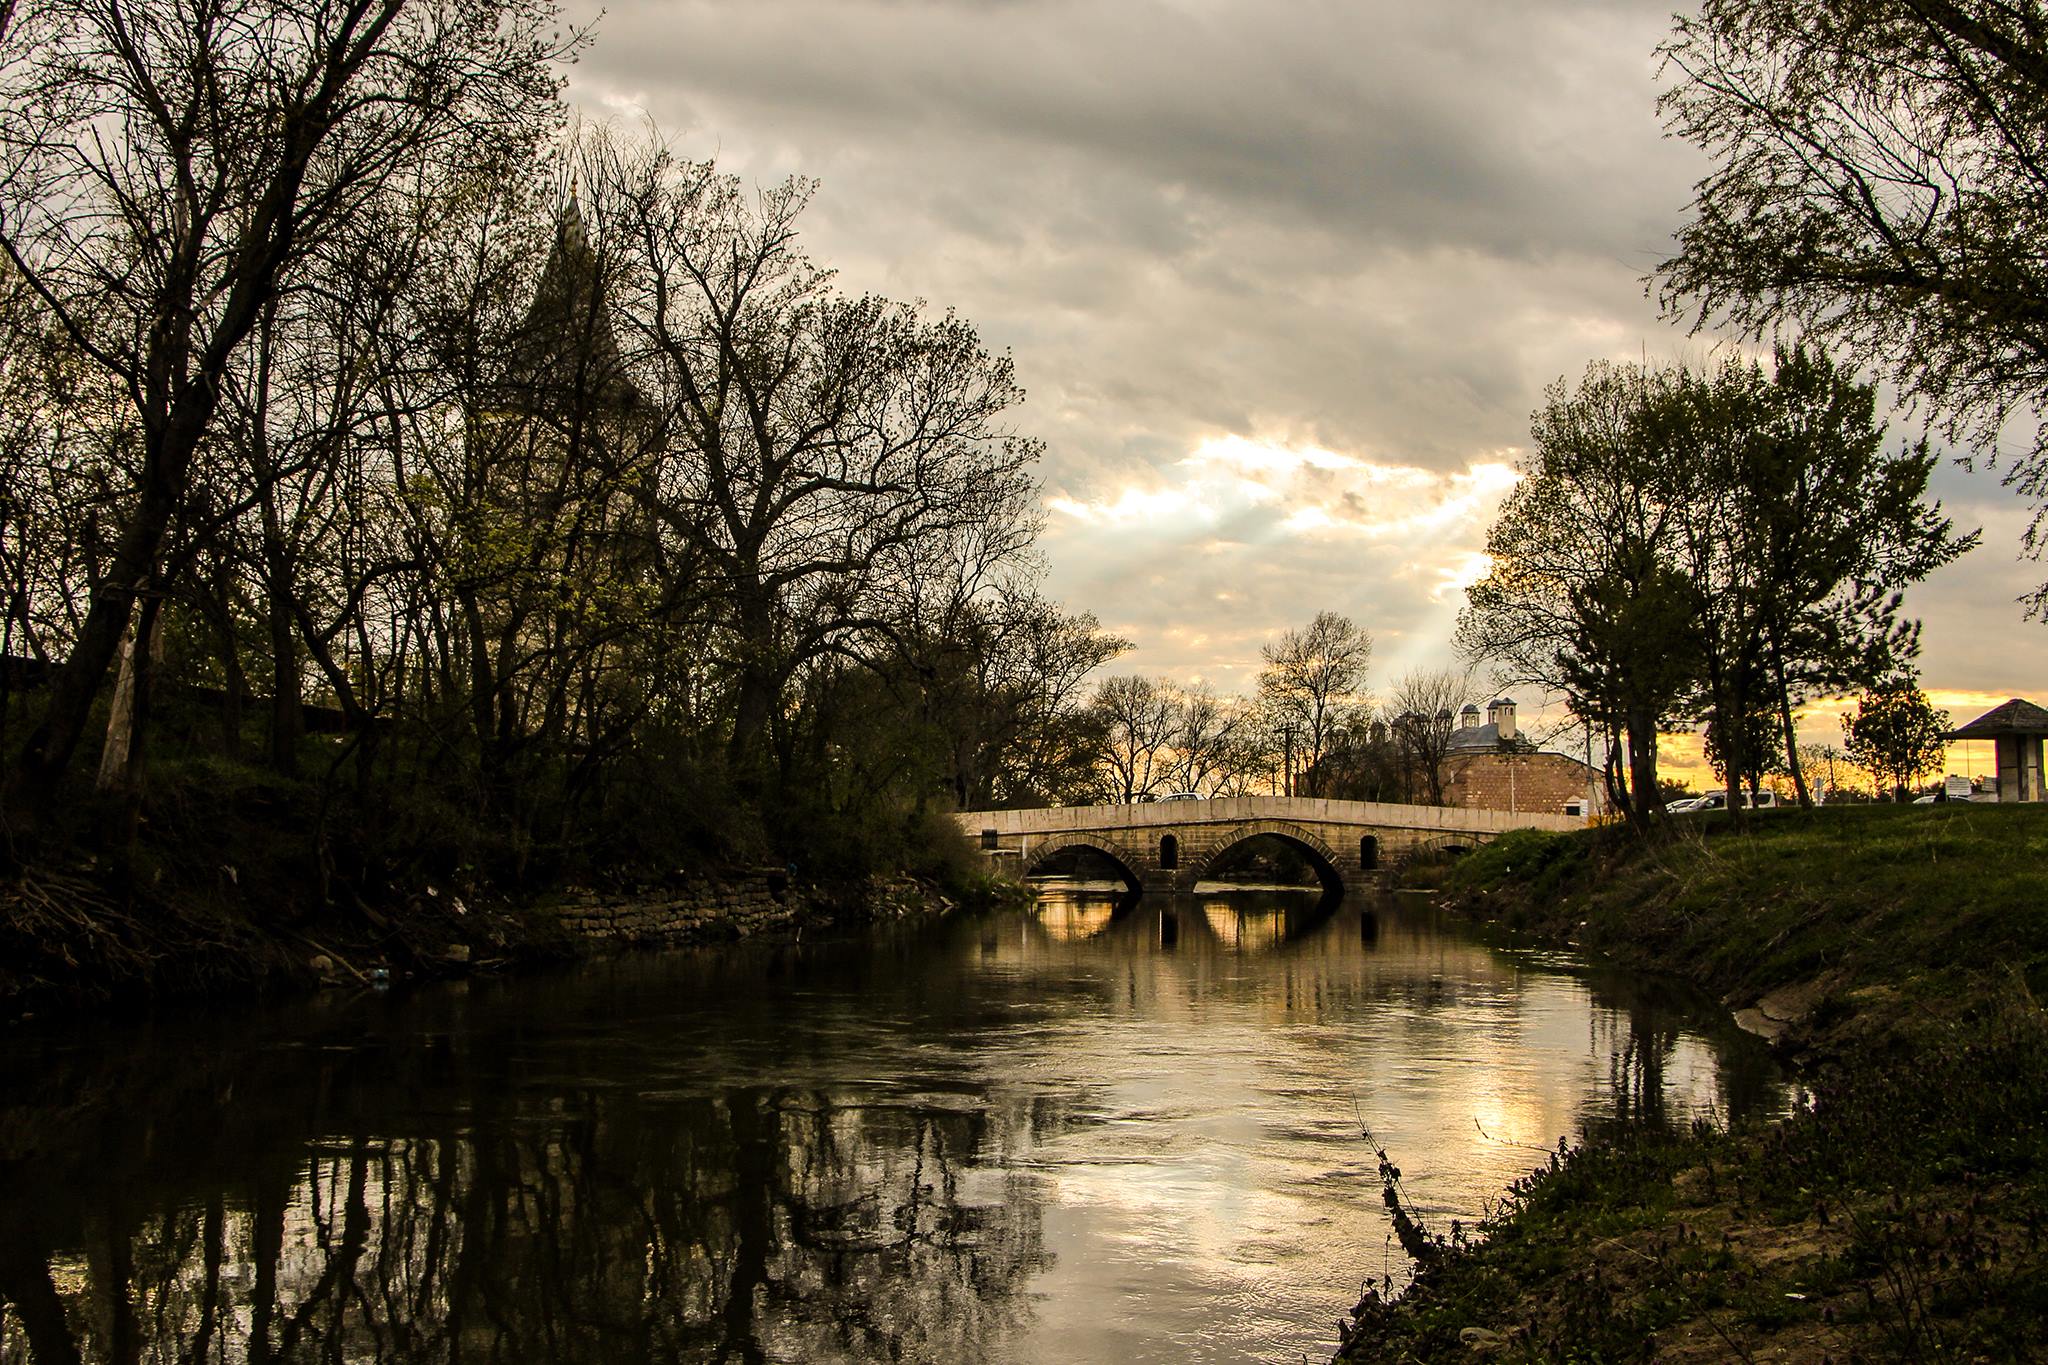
(1171, 845)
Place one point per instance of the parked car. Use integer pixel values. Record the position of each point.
(1764, 800)
(1183, 796)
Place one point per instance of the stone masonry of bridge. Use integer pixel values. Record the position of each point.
(1171, 845)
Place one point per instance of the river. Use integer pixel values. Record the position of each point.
(1081, 1133)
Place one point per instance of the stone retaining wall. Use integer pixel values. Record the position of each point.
(738, 906)
(691, 913)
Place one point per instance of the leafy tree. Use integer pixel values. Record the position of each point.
(1582, 596)
(1311, 680)
(1757, 745)
(1673, 790)
(1800, 535)
(1896, 735)
(604, 530)
(1832, 768)
(1718, 543)
(1843, 527)
(1880, 186)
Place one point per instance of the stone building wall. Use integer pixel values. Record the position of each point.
(1539, 782)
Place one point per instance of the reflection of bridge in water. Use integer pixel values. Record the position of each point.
(1237, 920)
(1172, 845)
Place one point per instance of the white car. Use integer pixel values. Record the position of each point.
(1763, 800)
(1183, 796)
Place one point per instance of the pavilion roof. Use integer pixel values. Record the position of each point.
(2016, 717)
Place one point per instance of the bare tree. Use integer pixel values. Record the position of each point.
(1002, 684)
(1138, 716)
(1205, 733)
(1250, 763)
(63, 436)
(1427, 704)
(812, 446)
(165, 169)
(1312, 676)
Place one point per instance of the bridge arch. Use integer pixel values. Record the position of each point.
(1126, 865)
(1320, 855)
(1448, 845)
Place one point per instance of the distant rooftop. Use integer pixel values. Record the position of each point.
(1466, 737)
(2016, 717)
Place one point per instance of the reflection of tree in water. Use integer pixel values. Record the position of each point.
(769, 1223)
(1636, 1071)
(1642, 1037)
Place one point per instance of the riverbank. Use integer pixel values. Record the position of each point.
(73, 938)
(1897, 957)
(235, 899)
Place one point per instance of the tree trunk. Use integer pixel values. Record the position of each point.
(1642, 768)
(1791, 733)
(120, 722)
(128, 717)
(235, 692)
(287, 706)
(124, 763)
(54, 742)
(760, 688)
(1616, 784)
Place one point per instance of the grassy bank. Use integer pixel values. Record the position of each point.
(1897, 954)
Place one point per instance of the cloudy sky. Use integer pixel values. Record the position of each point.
(1284, 278)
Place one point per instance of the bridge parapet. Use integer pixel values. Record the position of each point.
(1169, 845)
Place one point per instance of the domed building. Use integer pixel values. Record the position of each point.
(1492, 765)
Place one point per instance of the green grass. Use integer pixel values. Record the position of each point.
(1931, 902)
(1898, 1216)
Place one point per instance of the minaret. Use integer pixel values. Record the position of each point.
(565, 357)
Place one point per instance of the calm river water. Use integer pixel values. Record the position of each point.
(1074, 1135)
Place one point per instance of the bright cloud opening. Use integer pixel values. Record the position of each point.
(1301, 492)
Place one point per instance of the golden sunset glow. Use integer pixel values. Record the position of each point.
(1681, 756)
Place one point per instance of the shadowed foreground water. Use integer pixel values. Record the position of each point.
(1080, 1134)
